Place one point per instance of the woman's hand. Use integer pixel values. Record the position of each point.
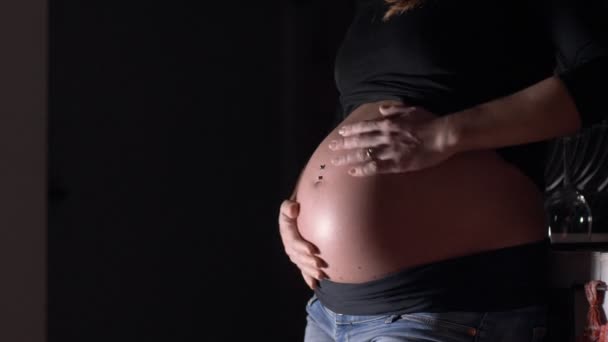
(403, 139)
(300, 252)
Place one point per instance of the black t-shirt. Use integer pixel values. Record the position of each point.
(451, 55)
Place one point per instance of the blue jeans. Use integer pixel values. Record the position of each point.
(521, 325)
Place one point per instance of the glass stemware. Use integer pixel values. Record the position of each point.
(568, 213)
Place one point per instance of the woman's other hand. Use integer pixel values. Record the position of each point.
(300, 252)
(404, 139)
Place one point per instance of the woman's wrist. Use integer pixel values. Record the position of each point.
(448, 136)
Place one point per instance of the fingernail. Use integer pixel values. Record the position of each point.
(342, 130)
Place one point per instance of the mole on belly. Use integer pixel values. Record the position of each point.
(318, 181)
(319, 178)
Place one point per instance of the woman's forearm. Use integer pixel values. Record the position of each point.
(542, 111)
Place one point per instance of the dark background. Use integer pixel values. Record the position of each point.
(175, 131)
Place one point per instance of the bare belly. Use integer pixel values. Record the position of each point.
(366, 228)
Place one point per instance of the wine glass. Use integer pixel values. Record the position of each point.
(568, 213)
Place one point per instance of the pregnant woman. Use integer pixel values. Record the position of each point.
(420, 216)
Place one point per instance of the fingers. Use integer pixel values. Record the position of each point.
(397, 150)
(367, 169)
(287, 220)
(309, 265)
(374, 167)
(368, 126)
(300, 252)
(363, 127)
(310, 281)
(293, 242)
(290, 209)
(305, 261)
(309, 260)
(358, 156)
(312, 272)
(362, 155)
(302, 246)
(393, 132)
(360, 141)
(287, 225)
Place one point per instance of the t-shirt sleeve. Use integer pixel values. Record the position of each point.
(577, 30)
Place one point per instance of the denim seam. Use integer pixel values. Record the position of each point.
(449, 326)
(360, 322)
(311, 300)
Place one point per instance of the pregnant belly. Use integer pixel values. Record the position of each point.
(366, 228)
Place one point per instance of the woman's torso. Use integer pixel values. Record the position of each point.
(369, 227)
(444, 56)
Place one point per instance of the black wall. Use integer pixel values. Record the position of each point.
(175, 132)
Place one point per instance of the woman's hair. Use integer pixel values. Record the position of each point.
(398, 7)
